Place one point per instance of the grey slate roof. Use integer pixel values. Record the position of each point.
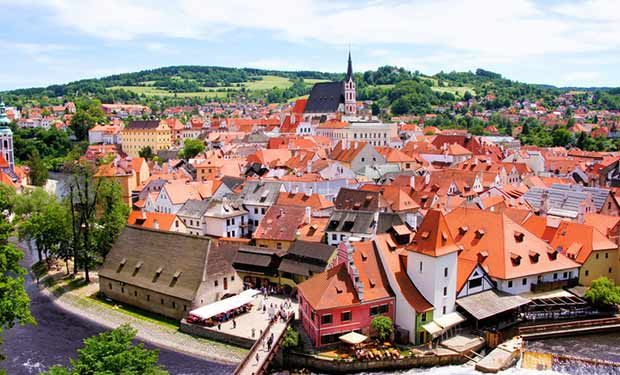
(359, 200)
(325, 97)
(566, 197)
(352, 222)
(150, 259)
(261, 193)
(599, 195)
(193, 208)
(387, 220)
(224, 208)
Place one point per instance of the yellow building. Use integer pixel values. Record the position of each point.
(129, 173)
(140, 134)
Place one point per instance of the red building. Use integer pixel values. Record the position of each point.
(346, 297)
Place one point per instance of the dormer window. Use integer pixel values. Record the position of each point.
(519, 236)
(479, 233)
(534, 256)
(553, 254)
(515, 258)
(482, 256)
(463, 229)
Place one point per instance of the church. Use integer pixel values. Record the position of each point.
(327, 99)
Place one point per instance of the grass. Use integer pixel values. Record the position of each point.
(266, 83)
(136, 312)
(456, 90)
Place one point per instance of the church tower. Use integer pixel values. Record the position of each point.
(6, 137)
(350, 103)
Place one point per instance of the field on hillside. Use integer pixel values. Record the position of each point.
(266, 83)
(458, 91)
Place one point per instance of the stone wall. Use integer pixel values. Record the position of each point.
(324, 365)
(214, 334)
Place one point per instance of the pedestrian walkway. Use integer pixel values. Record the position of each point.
(261, 354)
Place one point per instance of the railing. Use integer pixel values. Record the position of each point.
(545, 286)
(259, 342)
(568, 325)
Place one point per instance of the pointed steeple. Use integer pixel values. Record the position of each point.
(3, 118)
(349, 69)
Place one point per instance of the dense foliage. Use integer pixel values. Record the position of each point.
(112, 353)
(603, 292)
(383, 326)
(14, 302)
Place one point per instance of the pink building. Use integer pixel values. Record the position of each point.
(346, 297)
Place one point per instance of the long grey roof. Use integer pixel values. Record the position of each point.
(151, 259)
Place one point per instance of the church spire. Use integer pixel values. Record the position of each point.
(349, 69)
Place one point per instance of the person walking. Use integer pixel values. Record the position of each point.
(257, 358)
(234, 324)
(253, 332)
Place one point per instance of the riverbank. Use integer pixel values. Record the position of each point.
(75, 297)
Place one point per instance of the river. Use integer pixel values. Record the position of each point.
(57, 335)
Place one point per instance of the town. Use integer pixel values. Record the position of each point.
(349, 236)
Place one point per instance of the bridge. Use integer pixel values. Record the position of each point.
(260, 357)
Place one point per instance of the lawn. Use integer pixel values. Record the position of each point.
(456, 90)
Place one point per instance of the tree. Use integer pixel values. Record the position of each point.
(562, 137)
(603, 292)
(383, 326)
(467, 96)
(110, 353)
(192, 147)
(291, 339)
(88, 114)
(97, 213)
(14, 302)
(38, 170)
(146, 152)
(401, 106)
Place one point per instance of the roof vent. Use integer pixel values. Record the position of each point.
(479, 233)
(463, 229)
(534, 256)
(515, 258)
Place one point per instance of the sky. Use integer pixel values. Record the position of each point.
(563, 43)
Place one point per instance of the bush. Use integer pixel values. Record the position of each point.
(291, 339)
(603, 292)
(383, 326)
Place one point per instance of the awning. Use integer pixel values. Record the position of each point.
(490, 303)
(449, 320)
(432, 328)
(353, 338)
(443, 323)
(225, 305)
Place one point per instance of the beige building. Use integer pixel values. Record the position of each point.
(167, 273)
(353, 129)
(140, 134)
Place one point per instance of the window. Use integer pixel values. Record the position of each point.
(135, 293)
(587, 272)
(445, 291)
(423, 317)
(420, 266)
(597, 256)
(555, 276)
(345, 316)
(363, 160)
(565, 275)
(262, 210)
(225, 283)
(444, 310)
(312, 316)
(326, 319)
(184, 307)
(510, 283)
(606, 255)
(162, 301)
(122, 290)
(232, 278)
(215, 283)
(335, 237)
(110, 285)
(256, 211)
(524, 281)
(227, 221)
(174, 305)
(148, 297)
(609, 269)
(376, 310)
(475, 283)
(445, 272)
(279, 246)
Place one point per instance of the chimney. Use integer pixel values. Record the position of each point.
(155, 224)
(308, 217)
(412, 182)
(309, 191)
(427, 178)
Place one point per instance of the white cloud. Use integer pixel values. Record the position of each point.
(498, 28)
(581, 79)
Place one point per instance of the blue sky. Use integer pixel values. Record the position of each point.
(565, 43)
